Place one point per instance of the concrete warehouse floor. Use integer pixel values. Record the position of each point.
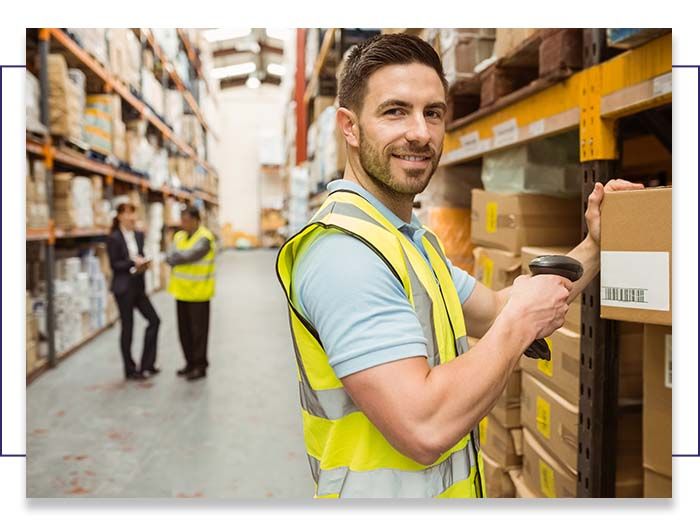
(235, 434)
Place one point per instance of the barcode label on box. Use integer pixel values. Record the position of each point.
(667, 362)
(635, 280)
(625, 295)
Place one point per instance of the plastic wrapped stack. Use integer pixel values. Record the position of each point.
(101, 207)
(174, 110)
(193, 134)
(168, 41)
(330, 147)
(68, 305)
(171, 211)
(93, 41)
(101, 111)
(152, 91)
(65, 110)
(31, 335)
(82, 199)
(37, 207)
(298, 199)
(124, 55)
(32, 95)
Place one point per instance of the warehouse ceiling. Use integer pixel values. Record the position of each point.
(246, 57)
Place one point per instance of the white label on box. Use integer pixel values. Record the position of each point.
(537, 128)
(635, 280)
(662, 85)
(667, 361)
(505, 133)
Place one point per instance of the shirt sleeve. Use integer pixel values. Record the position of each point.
(464, 282)
(198, 251)
(356, 305)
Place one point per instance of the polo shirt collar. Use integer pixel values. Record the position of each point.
(395, 220)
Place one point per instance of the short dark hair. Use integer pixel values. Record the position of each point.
(193, 212)
(382, 50)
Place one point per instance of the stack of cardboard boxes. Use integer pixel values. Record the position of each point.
(462, 50)
(503, 224)
(37, 206)
(635, 277)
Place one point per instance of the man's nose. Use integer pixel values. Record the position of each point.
(418, 130)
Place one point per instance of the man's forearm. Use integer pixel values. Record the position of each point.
(588, 254)
(458, 394)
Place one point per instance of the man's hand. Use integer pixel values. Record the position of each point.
(596, 198)
(539, 303)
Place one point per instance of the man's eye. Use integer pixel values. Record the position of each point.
(394, 111)
(434, 114)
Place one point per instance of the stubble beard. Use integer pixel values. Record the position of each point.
(378, 168)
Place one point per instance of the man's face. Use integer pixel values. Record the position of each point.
(189, 224)
(402, 126)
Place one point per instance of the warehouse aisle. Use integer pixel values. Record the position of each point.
(237, 434)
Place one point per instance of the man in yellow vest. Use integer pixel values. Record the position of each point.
(391, 395)
(192, 284)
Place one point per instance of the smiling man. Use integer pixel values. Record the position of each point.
(391, 395)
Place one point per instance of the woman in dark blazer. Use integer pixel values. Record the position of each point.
(125, 248)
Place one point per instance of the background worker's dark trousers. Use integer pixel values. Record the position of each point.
(193, 326)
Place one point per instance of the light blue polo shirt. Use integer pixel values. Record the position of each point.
(355, 302)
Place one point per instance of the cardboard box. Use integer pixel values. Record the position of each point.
(544, 475)
(573, 317)
(521, 488)
(507, 408)
(657, 485)
(561, 373)
(499, 442)
(629, 478)
(657, 410)
(552, 419)
(630, 351)
(511, 221)
(453, 228)
(635, 257)
(497, 269)
(498, 482)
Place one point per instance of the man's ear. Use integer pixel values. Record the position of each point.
(346, 121)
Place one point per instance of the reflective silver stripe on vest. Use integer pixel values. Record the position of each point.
(461, 345)
(333, 403)
(189, 277)
(394, 483)
(434, 242)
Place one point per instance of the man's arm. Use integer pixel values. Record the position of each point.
(483, 305)
(197, 252)
(424, 411)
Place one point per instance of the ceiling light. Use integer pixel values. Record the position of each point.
(279, 34)
(233, 70)
(216, 35)
(275, 69)
(253, 82)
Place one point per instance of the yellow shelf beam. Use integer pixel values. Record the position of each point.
(592, 99)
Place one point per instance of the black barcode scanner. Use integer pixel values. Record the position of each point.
(562, 266)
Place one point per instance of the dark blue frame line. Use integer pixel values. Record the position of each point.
(697, 454)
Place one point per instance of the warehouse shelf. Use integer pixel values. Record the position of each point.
(64, 40)
(326, 45)
(633, 81)
(74, 159)
(175, 77)
(194, 60)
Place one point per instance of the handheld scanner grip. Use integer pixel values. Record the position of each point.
(560, 265)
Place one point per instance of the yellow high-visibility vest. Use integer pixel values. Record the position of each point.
(348, 455)
(193, 282)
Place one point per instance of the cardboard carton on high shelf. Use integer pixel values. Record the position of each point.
(496, 269)
(507, 408)
(552, 419)
(501, 444)
(635, 256)
(511, 221)
(543, 474)
(657, 399)
(656, 485)
(521, 488)
(562, 372)
(498, 482)
(573, 317)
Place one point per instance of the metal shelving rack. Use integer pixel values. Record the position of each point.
(44, 148)
(594, 100)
